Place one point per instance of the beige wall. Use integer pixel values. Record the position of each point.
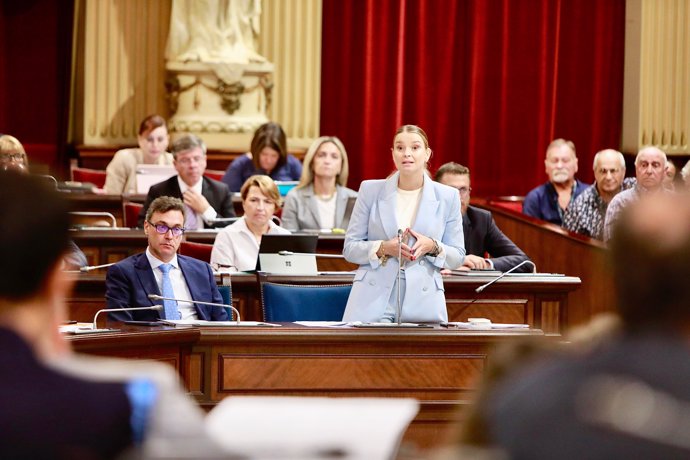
(656, 108)
(120, 71)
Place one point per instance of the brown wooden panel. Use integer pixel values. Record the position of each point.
(512, 311)
(195, 368)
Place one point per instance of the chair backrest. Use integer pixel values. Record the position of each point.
(130, 213)
(201, 251)
(226, 293)
(289, 302)
(214, 174)
(94, 176)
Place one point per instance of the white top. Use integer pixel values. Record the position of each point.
(121, 172)
(326, 210)
(406, 206)
(210, 213)
(179, 285)
(237, 247)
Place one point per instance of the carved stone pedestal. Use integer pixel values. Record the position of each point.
(221, 103)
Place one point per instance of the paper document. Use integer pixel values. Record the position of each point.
(322, 323)
(203, 323)
(310, 428)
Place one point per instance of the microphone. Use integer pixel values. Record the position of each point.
(311, 254)
(484, 286)
(95, 318)
(212, 304)
(398, 309)
(89, 268)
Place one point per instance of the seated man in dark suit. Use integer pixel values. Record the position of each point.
(481, 233)
(161, 271)
(50, 407)
(204, 199)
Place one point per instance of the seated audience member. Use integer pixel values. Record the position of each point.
(12, 154)
(160, 270)
(685, 174)
(57, 404)
(237, 247)
(586, 215)
(13, 157)
(320, 199)
(204, 199)
(650, 170)
(479, 228)
(268, 155)
(550, 200)
(628, 397)
(670, 176)
(153, 144)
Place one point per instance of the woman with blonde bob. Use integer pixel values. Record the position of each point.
(12, 154)
(237, 246)
(320, 199)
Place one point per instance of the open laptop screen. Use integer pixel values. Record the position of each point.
(148, 175)
(271, 261)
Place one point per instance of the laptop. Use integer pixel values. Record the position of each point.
(296, 262)
(148, 175)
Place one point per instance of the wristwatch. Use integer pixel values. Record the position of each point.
(437, 249)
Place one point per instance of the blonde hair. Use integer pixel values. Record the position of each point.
(266, 185)
(10, 144)
(307, 176)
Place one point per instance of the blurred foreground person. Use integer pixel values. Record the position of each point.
(630, 396)
(55, 404)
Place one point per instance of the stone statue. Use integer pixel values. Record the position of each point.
(214, 31)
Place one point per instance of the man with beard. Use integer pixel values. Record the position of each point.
(550, 200)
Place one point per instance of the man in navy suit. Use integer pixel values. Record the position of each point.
(482, 235)
(204, 199)
(129, 283)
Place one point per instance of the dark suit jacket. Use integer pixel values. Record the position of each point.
(217, 194)
(482, 235)
(47, 414)
(128, 284)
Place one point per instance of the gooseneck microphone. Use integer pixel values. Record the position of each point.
(198, 302)
(89, 268)
(398, 310)
(484, 286)
(95, 318)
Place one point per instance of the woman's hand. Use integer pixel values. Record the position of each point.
(390, 248)
(422, 246)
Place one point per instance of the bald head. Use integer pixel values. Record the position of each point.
(650, 168)
(609, 171)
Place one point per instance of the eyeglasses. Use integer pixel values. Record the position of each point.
(9, 157)
(464, 191)
(163, 229)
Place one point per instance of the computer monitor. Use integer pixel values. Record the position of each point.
(288, 254)
(148, 175)
(284, 186)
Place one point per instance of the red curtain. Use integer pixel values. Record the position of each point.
(492, 82)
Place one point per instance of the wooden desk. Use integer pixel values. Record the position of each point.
(440, 368)
(541, 302)
(556, 250)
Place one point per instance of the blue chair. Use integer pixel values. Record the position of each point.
(289, 302)
(226, 294)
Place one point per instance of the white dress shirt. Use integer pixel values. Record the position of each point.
(237, 247)
(179, 284)
(210, 213)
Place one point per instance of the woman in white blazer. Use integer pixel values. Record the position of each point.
(320, 199)
(427, 214)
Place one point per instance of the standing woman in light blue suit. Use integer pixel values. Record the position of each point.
(428, 213)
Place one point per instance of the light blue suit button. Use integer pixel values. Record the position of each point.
(425, 289)
(421, 262)
(372, 283)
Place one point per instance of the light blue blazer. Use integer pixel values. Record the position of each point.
(374, 219)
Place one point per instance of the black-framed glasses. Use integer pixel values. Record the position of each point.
(9, 157)
(163, 229)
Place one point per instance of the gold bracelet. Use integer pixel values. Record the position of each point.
(436, 250)
(383, 257)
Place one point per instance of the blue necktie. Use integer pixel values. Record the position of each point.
(170, 306)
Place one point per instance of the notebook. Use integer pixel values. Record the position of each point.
(300, 260)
